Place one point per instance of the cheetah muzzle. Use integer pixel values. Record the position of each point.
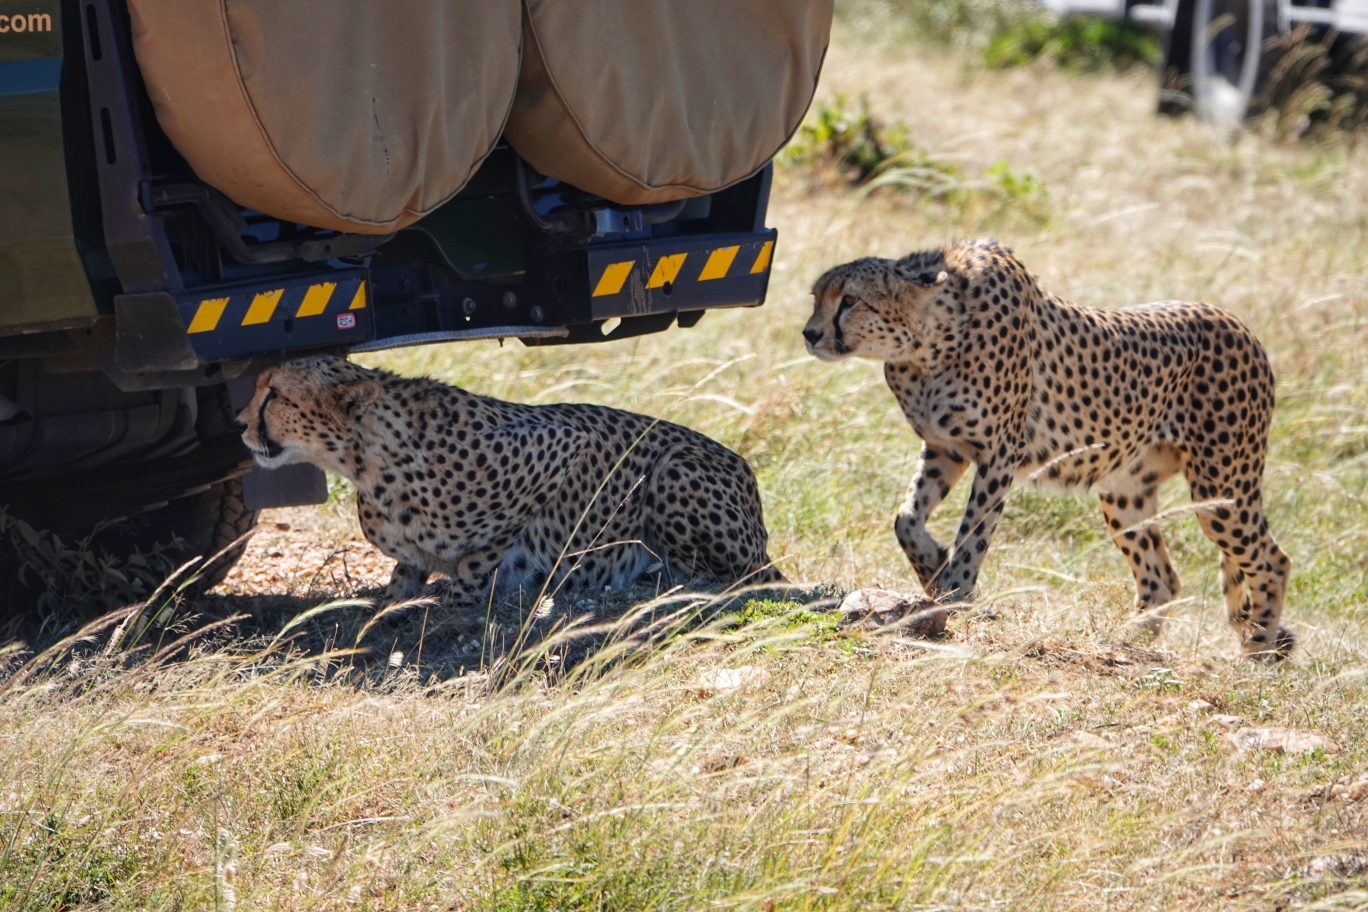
(991, 369)
(498, 496)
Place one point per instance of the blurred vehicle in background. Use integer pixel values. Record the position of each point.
(1215, 57)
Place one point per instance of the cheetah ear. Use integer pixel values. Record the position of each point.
(354, 396)
(929, 279)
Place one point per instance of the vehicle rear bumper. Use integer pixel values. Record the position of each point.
(413, 303)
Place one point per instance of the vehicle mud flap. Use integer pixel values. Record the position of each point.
(288, 486)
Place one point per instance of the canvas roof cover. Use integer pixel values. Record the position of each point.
(644, 101)
(346, 114)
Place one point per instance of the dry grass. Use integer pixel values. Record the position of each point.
(1028, 761)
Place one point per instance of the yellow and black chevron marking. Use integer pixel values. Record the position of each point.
(263, 319)
(718, 263)
(680, 274)
(259, 307)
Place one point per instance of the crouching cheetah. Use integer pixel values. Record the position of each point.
(992, 369)
(492, 493)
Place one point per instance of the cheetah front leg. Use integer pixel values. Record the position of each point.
(987, 498)
(406, 582)
(937, 472)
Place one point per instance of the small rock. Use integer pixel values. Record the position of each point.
(1337, 867)
(1226, 721)
(877, 608)
(282, 527)
(1086, 741)
(1256, 786)
(1201, 706)
(1347, 789)
(1281, 741)
(722, 680)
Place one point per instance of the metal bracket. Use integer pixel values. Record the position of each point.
(135, 240)
(464, 335)
(149, 334)
(227, 225)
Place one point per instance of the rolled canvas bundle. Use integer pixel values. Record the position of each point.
(349, 114)
(363, 117)
(646, 101)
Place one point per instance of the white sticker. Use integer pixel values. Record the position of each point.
(346, 321)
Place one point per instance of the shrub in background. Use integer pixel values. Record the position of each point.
(1075, 43)
(863, 152)
(854, 144)
(1008, 33)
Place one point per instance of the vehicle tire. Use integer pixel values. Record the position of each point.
(206, 523)
(1228, 71)
(180, 497)
(1175, 72)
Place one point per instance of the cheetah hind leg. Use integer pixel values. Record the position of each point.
(1128, 498)
(1240, 607)
(704, 514)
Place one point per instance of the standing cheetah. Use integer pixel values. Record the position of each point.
(992, 369)
(494, 493)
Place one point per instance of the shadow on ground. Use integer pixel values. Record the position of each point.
(363, 640)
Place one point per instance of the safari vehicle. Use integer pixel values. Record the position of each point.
(192, 190)
(1214, 50)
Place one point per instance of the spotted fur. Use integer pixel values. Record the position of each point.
(990, 368)
(495, 493)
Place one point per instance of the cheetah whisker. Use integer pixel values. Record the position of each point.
(1035, 476)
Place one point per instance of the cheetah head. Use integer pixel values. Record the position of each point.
(306, 411)
(885, 310)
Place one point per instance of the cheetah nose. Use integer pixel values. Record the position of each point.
(240, 425)
(812, 335)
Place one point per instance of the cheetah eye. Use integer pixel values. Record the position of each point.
(848, 302)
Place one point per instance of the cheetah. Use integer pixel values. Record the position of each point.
(497, 495)
(990, 368)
